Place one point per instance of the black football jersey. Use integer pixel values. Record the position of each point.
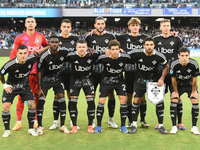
(99, 43)
(168, 46)
(81, 67)
(147, 66)
(18, 73)
(129, 42)
(114, 67)
(184, 74)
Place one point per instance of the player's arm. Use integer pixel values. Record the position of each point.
(40, 51)
(39, 92)
(194, 82)
(7, 87)
(164, 74)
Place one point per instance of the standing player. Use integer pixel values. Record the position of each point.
(99, 42)
(129, 42)
(184, 72)
(18, 70)
(82, 63)
(68, 41)
(33, 40)
(49, 70)
(147, 60)
(169, 45)
(112, 78)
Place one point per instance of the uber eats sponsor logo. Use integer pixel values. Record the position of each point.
(80, 68)
(165, 50)
(132, 46)
(184, 77)
(111, 70)
(145, 68)
(55, 67)
(22, 75)
(98, 48)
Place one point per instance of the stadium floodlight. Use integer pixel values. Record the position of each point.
(117, 19)
(105, 19)
(159, 19)
(172, 18)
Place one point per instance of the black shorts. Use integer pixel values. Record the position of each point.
(120, 89)
(26, 95)
(58, 86)
(65, 76)
(168, 82)
(130, 78)
(96, 79)
(139, 89)
(77, 84)
(185, 89)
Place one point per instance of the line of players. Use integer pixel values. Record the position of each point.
(166, 44)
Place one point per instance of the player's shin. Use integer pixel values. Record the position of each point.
(135, 112)
(195, 113)
(40, 109)
(31, 117)
(6, 120)
(62, 109)
(90, 110)
(129, 114)
(100, 112)
(123, 113)
(173, 112)
(111, 106)
(160, 112)
(73, 110)
(55, 109)
(143, 109)
(180, 111)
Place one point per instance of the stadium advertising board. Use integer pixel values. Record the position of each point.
(137, 11)
(107, 10)
(36, 12)
(177, 11)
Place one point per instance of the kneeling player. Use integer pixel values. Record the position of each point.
(18, 70)
(184, 72)
(112, 78)
(49, 68)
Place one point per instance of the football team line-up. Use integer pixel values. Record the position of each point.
(67, 63)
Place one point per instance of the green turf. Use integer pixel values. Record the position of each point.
(109, 138)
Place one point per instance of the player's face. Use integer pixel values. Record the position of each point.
(134, 28)
(149, 46)
(100, 25)
(184, 58)
(165, 27)
(22, 55)
(114, 52)
(30, 23)
(66, 28)
(54, 43)
(81, 48)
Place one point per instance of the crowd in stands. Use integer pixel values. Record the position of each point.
(99, 3)
(189, 35)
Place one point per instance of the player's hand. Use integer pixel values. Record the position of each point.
(107, 53)
(121, 50)
(194, 95)
(40, 92)
(93, 32)
(90, 51)
(175, 95)
(9, 90)
(174, 33)
(160, 82)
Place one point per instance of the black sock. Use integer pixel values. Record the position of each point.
(129, 107)
(135, 111)
(6, 120)
(55, 109)
(123, 113)
(143, 109)
(160, 112)
(90, 110)
(173, 112)
(69, 102)
(73, 110)
(195, 114)
(180, 111)
(31, 117)
(40, 109)
(111, 107)
(100, 111)
(62, 110)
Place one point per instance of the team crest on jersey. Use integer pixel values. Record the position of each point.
(37, 40)
(172, 43)
(89, 61)
(120, 64)
(106, 41)
(72, 42)
(61, 58)
(4, 99)
(154, 62)
(3, 71)
(29, 66)
(141, 40)
(189, 70)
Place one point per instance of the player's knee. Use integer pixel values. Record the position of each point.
(143, 99)
(59, 95)
(174, 99)
(137, 100)
(194, 100)
(6, 107)
(102, 100)
(31, 104)
(122, 100)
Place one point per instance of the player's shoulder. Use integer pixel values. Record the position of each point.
(44, 54)
(30, 56)
(10, 63)
(175, 62)
(108, 33)
(39, 33)
(159, 54)
(88, 36)
(158, 36)
(72, 54)
(103, 56)
(144, 35)
(193, 62)
(123, 55)
(19, 36)
(73, 36)
(135, 51)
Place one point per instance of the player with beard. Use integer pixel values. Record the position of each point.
(147, 61)
(169, 45)
(99, 41)
(68, 41)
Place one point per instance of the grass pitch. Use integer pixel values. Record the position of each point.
(109, 138)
